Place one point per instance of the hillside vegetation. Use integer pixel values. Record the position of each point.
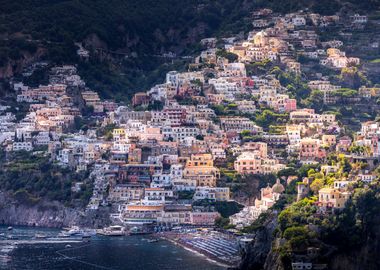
(38, 179)
(127, 35)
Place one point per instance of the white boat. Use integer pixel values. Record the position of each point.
(75, 230)
(40, 236)
(115, 230)
(89, 232)
(153, 240)
(7, 249)
(63, 235)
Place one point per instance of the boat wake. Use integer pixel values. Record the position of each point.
(60, 253)
(45, 241)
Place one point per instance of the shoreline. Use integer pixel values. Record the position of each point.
(205, 255)
(199, 253)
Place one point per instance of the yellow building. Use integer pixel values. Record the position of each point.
(118, 134)
(141, 213)
(201, 168)
(331, 197)
(200, 160)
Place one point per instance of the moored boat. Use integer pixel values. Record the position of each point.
(75, 230)
(63, 235)
(40, 236)
(153, 240)
(115, 230)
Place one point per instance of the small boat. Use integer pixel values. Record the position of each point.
(7, 249)
(90, 232)
(115, 230)
(40, 236)
(75, 230)
(68, 246)
(153, 240)
(10, 228)
(63, 235)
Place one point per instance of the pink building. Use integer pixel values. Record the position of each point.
(309, 148)
(290, 105)
(343, 144)
(109, 105)
(258, 147)
(140, 99)
(203, 218)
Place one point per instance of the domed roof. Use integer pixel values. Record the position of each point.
(261, 34)
(278, 187)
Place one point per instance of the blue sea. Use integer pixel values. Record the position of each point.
(20, 250)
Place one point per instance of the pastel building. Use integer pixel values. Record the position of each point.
(252, 163)
(332, 197)
(309, 148)
(212, 193)
(203, 218)
(201, 168)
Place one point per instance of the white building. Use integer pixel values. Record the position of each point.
(27, 146)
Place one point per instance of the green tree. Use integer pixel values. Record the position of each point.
(316, 185)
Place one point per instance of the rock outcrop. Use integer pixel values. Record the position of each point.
(257, 252)
(262, 253)
(48, 214)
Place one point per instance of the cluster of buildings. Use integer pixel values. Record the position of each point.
(51, 112)
(362, 150)
(279, 38)
(254, 160)
(268, 197)
(151, 165)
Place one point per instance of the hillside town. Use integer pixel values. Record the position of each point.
(188, 148)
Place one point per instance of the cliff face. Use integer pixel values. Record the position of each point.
(48, 214)
(257, 252)
(262, 253)
(12, 67)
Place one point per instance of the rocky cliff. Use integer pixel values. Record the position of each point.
(263, 253)
(48, 214)
(15, 66)
(256, 255)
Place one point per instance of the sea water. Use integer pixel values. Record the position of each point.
(19, 249)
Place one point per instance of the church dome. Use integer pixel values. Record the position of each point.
(278, 187)
(261, 34)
